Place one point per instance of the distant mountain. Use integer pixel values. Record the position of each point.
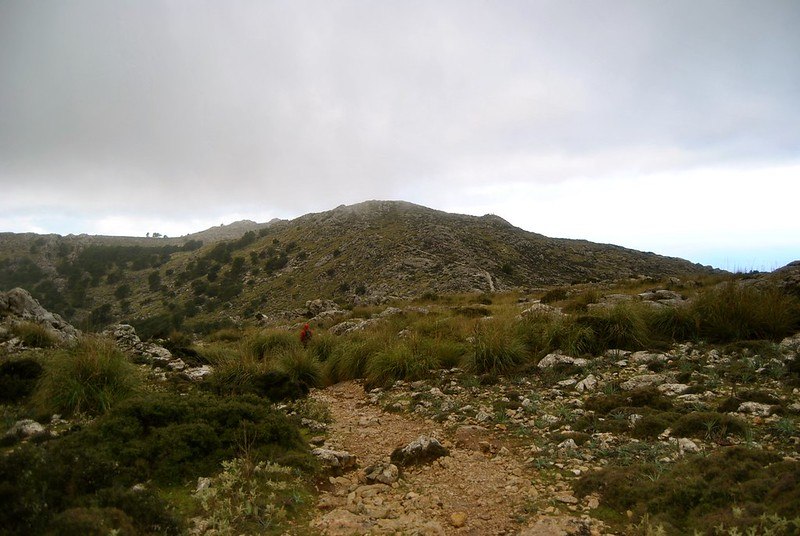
(361, 253)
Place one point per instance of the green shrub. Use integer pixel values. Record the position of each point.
(708, 424)
(650, 426)
(732, 487)
(91, 521)
(496, 348)
(733, 311)
(89, 377)
(18, 378)
(34, 335)
(640, 398)
(164, 438)
(251, 498)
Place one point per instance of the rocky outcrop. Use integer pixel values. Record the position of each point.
(17, 305)
(152, 354)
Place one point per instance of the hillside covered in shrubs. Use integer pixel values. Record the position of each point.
(368, 253)
(649, 406)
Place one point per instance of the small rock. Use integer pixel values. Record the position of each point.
(589, 383)
(383, 473)
(24, 429)
(645, 380)
(686, 445)
(337, 461)
(458, 519)
(556, 358)
(755, 408)
(673, 389)
(422, 450)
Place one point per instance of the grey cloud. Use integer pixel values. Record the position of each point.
(308, 104)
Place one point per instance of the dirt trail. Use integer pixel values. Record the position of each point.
(470, 492)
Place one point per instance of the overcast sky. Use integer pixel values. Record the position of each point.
(666, 126)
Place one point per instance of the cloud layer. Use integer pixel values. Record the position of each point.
(197, 110)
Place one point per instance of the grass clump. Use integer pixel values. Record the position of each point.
(349, 359)
(237, 374)
(300, 366)
(322, 345)
(734, 311)
(90, 377)
(265, 344)
(496, 348)
(34, 335)
(404, 360)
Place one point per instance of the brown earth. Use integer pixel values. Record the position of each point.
(482, 487)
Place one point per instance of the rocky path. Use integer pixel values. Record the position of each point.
(480, 488)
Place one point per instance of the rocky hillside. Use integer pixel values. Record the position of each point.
(364, 253)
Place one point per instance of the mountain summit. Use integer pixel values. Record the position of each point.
(362, 253)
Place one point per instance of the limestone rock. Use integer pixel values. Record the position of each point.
(589, 383)
(673, 389)
(557, 358)
(24, 429)
(424, 449)
(382, 473)
(18, 305)
(337, 461)
(318, 306)
(458, 519)
(755, 408)
(149, 353)
(644, 380)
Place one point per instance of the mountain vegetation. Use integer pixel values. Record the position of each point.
(362, 254)
(449, 380)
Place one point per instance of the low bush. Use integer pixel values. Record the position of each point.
(732, 487)
(81, 479)
(554, 295)
(709, 425)
(18, 379)
(91, 521)
(90, 377)
(251, 498)
(640, 398)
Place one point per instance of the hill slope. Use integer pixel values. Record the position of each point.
(360, 253)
